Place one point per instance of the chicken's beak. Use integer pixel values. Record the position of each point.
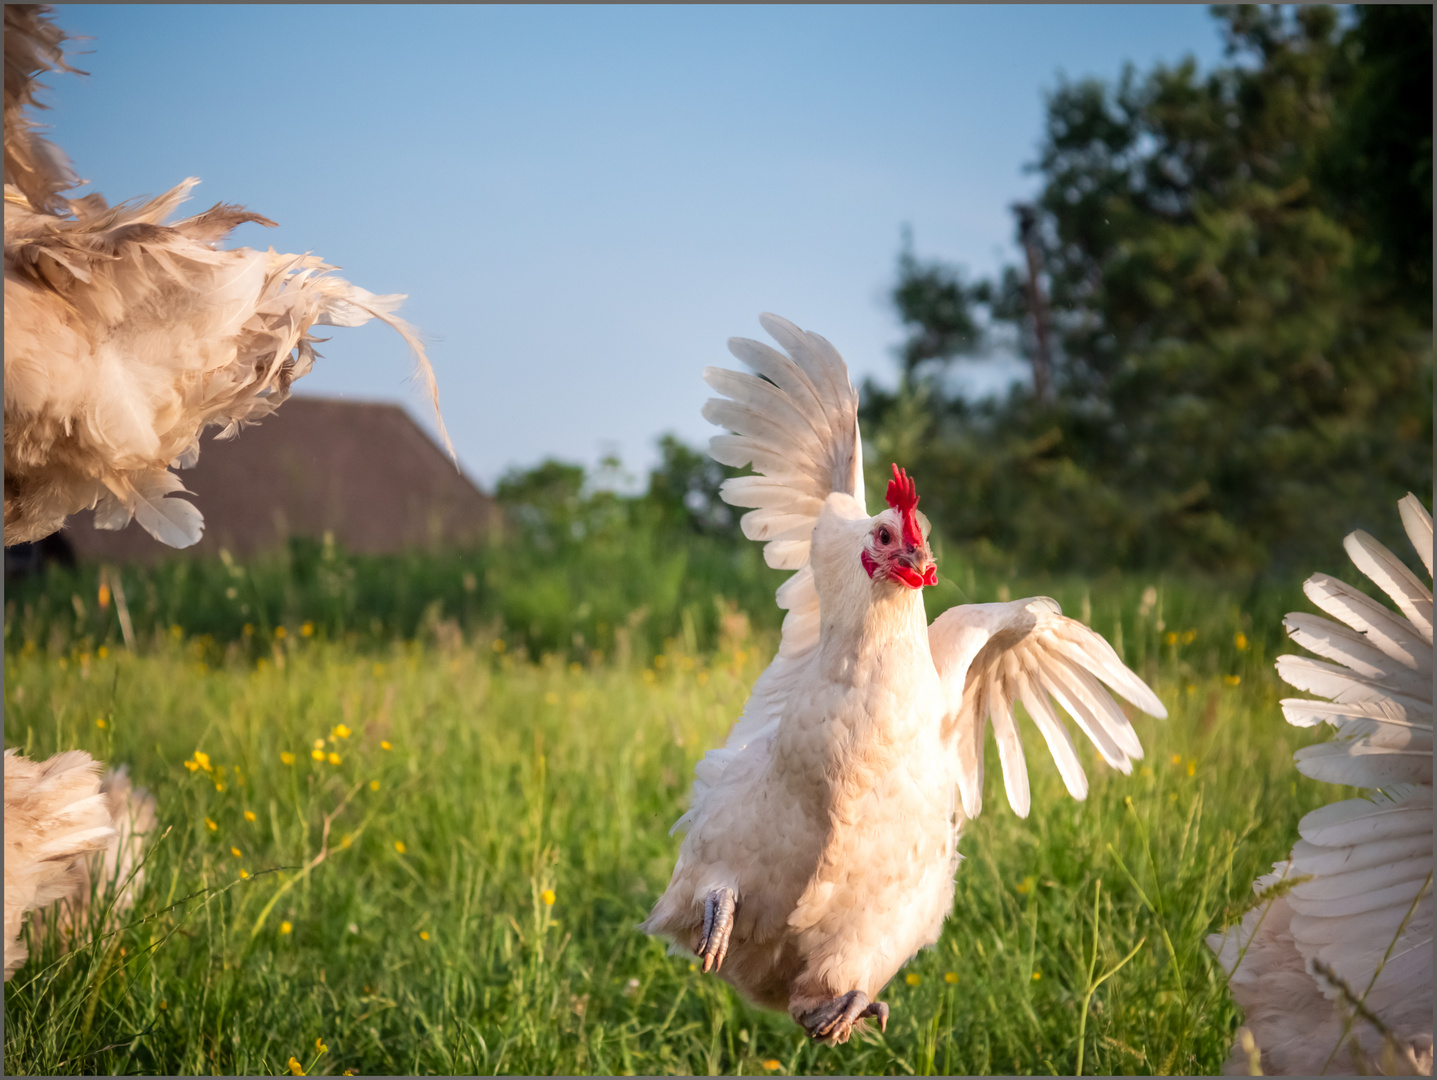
(916, 567)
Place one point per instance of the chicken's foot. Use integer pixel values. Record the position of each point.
(718, 925)
(832, 1022)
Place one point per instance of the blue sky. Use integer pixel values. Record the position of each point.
(583, 203)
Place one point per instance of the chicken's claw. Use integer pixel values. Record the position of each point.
(832, 1022)
(718, 925)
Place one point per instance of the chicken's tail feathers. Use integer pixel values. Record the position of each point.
(55, 815)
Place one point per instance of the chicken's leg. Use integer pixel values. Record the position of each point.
(833, 1021)
(718, 925)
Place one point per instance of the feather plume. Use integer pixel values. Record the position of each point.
(55, 816)
(128, 334)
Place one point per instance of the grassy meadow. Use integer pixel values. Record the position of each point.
(417, 838)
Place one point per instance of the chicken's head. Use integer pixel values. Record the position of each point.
(896, 549)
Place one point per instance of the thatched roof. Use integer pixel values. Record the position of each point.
(364, 471)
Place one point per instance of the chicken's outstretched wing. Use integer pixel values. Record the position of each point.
(1362, 908)
(796, 423)
(992, 655)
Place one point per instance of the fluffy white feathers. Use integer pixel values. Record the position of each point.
(127, 334)
(55, 815)
(1334, 966)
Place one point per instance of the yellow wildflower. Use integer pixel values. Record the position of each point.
(164, 1006)
(1171, 638)
(247, 630)
(211, 825)
(950, 977)
(1036, 976)
(1176, 759)
(1232, 680)
(424, 935)
(346, 840)
(243, 873)
(374, 785)
(102, 652)
(399, 846)
(104, 596)
(1189, 636)
(318, 755)
(548, 897)
(319, 1045)
(307, 630)
(1192, 767)
(286, 757)
(100, 723)
(219, 785)
(341, 731)
(384, 745)
(203, 760)
(235, 851)
(772, 1063)
(333, 758)
(499, 645)
(286, 927)
(1240, 640)
(280, 633)
(295, 1068)
(913, 978)
(249, 815)
(319, 744)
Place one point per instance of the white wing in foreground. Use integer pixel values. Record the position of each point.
(796, 422)
(1357, 926)
(990, 656)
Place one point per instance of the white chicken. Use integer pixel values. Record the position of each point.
(126, 337)
(55, 817)
(822, 838)
(1334, 967)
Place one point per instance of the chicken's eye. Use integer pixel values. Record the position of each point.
(884, 536)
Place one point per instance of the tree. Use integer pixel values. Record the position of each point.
(1240, 370)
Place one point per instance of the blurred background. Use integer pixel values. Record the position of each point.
(1137, 289)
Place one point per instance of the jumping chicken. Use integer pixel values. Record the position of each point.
(822, 837)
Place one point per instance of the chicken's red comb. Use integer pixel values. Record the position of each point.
(903, 497)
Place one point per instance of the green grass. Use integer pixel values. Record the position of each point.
(509, 777)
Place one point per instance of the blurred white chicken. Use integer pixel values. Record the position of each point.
(822, 838)
(55, 817)
(1334, 967)
(126, 337)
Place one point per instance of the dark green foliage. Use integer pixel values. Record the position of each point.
(1241, 373)
(578, 569)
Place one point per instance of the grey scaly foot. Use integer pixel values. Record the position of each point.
(718, 925)
(832, 1022)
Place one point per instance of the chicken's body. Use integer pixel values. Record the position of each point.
(822, 838)
(834, 823)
